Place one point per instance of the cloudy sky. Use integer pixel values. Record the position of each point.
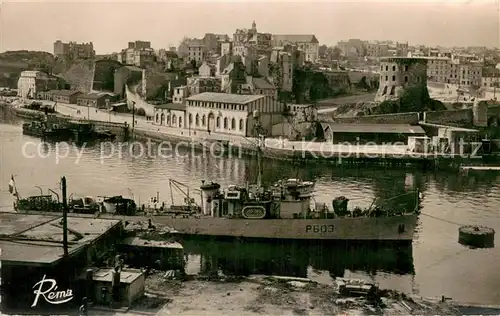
(35, 25)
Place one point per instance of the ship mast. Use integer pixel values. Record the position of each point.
(259, 164)
(260, 137)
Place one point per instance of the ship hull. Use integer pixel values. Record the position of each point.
(396, 228)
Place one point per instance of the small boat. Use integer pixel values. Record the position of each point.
(119, 205)
(297, 187)
(84, 205)
(40, 203)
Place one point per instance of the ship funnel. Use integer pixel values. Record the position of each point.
(209, 191)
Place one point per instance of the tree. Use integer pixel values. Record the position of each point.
(334, 53)
(323, 51)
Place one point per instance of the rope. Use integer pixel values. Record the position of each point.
(442, 219)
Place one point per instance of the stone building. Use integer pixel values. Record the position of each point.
(195, 48)
(470, 73)
(74, 50)
(309, 44)
(398, 74)
(243, 115)
(262, 42)
(31, 83)
(439, 69)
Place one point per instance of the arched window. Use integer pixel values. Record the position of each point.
(241, 124)
(225, 122)
(393, 90)
(203, 120)
(157, 118)
(168, 119)
(174, 119)
(218, 122)
(190, 119)
(162, 118)
(406, 78)
(385, 90)
(197, 120)
(180, 121)
(233, 124)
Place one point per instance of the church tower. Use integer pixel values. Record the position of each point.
(254, 27)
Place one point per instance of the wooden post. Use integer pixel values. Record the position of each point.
(65, 217)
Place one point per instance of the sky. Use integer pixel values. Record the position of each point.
(110, 25)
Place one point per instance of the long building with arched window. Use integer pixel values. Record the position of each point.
(233, 113)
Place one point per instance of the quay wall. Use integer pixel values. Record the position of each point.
(243, 148)
(462, 116)
(394, 118)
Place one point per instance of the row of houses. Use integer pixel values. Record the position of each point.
(97, 100)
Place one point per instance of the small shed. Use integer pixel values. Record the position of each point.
(365, 133)
(131, 288)
(121, 107)
(163, 255)
(65, 96)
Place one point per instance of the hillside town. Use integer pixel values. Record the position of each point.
(270, 96)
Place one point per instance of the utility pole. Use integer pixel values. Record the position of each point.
(65, 217)
(133, 116)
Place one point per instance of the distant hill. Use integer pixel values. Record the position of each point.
(12, 63)
(82, 75)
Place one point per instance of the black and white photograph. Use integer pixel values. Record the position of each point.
(256, 158)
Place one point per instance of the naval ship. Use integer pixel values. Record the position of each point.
(285, 211)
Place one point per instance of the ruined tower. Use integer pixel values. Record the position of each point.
(398, 74)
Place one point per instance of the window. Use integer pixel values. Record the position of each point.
(180, 121)
(406, 78)
(393, 90)
(225, 122)
(218, 122)
(197, 119)
(158, 117)
(381, 68)
(203, 120)
(385, 91)
(386, 68)
(241, 124)
(386, 78)
(174, 119)
(393, 78)
(393, 68)
(190, 119)
(233, 124)
(406, 68)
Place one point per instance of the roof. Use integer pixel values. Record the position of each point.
(138, 242)
(261, 83)
(171, 106)
(224, 98)
(296, 38)
(133, 68)
(66, 93)
(126, 275)
(93, 96)
(374, 128)
(45, 236)
(450, 128)
(195, 42)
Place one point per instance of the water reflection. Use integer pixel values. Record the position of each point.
(295, 258)
(440, 262)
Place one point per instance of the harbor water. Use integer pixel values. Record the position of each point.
(436, 265)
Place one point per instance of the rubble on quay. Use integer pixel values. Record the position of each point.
(267, 295)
